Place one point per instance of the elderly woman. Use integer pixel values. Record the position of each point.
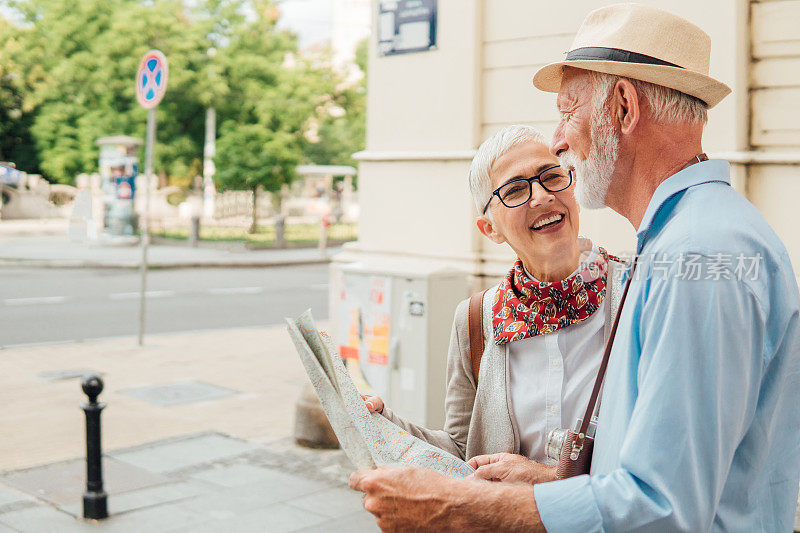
(544, 324)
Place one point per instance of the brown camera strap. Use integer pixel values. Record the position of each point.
(601, 372)
(598, 383)
(475, 327)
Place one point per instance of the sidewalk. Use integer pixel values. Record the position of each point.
(197, 432)
(208, 482)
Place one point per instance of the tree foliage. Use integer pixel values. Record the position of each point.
(342, 130)
(252, 157)
(16, 143)
(270, 98)
(81, 57)
(66, 79)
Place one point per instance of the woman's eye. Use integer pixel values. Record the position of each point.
(514, 190)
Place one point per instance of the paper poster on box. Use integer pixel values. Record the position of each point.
(365, 327)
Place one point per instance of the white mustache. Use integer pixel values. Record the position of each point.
(569, 160)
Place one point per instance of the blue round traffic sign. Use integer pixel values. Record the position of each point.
(151, 79)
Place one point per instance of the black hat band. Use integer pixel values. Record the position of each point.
(597, 53)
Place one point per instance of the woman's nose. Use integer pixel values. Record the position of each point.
(540, 195)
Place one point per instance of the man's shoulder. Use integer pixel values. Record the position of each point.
(713, 219)
(712, 232)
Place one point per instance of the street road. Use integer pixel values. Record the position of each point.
(44, 305)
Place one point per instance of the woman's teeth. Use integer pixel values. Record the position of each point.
(546, 221)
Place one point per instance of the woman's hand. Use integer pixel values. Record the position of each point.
(512, 468)
(374, 403)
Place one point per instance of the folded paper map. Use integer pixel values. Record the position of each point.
(368, 439)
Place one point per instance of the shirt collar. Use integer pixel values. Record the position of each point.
(697, 174)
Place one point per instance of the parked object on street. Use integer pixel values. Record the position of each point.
(95, 499)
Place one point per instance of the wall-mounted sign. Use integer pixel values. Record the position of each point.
(406, 26)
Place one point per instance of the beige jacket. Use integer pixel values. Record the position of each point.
(480, 421)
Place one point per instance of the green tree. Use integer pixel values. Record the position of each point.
(342, 128)
(67, 78)
(77, 60)
(251, 158)
(16, 143)
(272, 98)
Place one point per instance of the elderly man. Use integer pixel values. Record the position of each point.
(699, 427)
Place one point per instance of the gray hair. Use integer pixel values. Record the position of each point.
(480, 183)
(666, 105)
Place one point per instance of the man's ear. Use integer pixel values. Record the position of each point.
(625, 109)
(486, 227)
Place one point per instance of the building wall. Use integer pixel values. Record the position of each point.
(423, 112)
(775, 120)
(428, 112)
(519, 37)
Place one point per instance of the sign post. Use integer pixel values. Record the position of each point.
(151, 84)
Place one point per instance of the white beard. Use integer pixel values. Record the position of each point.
(593, 175)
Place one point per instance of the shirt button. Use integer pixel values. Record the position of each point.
(553, 409)
(556, 362)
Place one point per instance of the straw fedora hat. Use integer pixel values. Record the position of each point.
(643, 43)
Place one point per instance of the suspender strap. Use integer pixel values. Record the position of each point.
(475, 318)
(604, 364)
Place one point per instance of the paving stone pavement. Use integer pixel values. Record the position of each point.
(204, 482)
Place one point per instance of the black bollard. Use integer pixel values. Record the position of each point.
(95, 499)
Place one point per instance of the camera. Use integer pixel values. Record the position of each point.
(556, 437)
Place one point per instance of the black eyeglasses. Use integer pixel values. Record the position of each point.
(519, 191)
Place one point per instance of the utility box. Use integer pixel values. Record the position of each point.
(392, 323)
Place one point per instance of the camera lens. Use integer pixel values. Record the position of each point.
(555, 441)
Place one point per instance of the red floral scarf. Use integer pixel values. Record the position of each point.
(524, 307)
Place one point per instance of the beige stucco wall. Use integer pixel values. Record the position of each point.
(521, 36)
(427, 112)
(417, 207)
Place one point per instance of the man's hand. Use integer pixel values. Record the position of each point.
(406, 498)
(417, 499)
(512, 468)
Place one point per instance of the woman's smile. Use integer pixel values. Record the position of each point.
(549, 222)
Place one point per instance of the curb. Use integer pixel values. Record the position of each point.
(161, 265)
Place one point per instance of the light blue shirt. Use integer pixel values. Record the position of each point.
(700, 419)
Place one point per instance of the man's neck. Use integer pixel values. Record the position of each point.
(634, 183)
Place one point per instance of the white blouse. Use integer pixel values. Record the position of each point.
(551, 380)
